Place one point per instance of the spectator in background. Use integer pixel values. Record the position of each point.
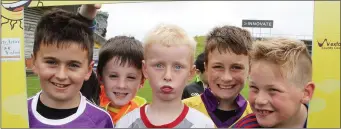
(91, 88)
(197, 87)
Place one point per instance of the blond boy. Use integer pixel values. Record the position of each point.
(169, 53)
(280, 84)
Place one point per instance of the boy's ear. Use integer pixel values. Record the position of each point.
(142, 82)
(192, 73)
(308, 90)
(34, 69)
(91, 65)
(144, 69)
(205, 66)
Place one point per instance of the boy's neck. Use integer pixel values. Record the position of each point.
(57, 104)
(228, 105)
(204, 85)
(296, 121)
(166, 106)
(169, 110)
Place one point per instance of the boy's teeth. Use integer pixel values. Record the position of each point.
(264, 112)
(59, 85)
(120, 94)
(225, 86)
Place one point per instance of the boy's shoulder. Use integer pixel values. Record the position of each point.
(249, 121)
(131, 120)
(193, 101)
(198, 119)
(196, 102)
(94, 111)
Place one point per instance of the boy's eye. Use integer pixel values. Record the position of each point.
(51, 62)
(236, 67)
(113, 76)
(273, 90)
(253, 88)
(132, 77)
(158, 66)
(217, 67)
(74, 65)
(178, 67)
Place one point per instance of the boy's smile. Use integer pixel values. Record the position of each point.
(120, 95)
(61, 87)
(221, 86)
(263, 113)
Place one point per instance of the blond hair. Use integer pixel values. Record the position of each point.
(291, 54)
(169, 35)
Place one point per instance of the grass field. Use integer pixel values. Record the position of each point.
(145, 92)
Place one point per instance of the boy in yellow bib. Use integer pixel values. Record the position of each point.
(119, 71)
(227, 67)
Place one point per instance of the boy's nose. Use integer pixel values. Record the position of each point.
(226, 76)
(168, 75)
(261, 100)
(121, 83)
(61, 74)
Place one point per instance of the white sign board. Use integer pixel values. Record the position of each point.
(10, 49)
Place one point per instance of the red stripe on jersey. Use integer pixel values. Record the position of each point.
(256, 125)
(177, 121)
(246, 120)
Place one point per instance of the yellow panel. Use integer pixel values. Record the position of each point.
(13, 78)
(324, 111)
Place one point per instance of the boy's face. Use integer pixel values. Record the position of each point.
(168, 69)
(273, 98)
(121, 82)
(226, 73)
(62, 71)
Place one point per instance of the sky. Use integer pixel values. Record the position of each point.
(291, 18)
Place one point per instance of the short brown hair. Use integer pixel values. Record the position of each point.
(292, 55)
(228, 38)
(61, 28)
(126, 49)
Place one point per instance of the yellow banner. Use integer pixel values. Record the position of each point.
(324, 110)
(13, 77)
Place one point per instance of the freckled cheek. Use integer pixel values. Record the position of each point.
(133, 86)
(109, 84)
(240, 77)
(281, 104)
(212, 76)
(46, 73)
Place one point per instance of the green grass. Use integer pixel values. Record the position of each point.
(145, 92)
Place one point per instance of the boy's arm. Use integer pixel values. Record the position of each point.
(87, 14)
